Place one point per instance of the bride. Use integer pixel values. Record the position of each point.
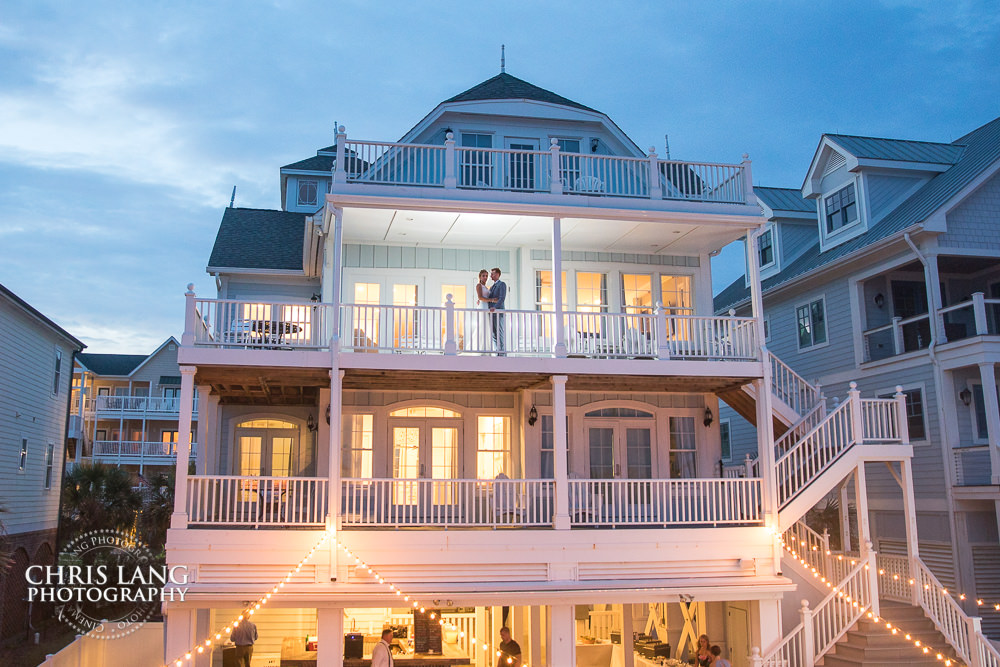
(482, 332)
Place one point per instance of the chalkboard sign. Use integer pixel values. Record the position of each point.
(427, 631)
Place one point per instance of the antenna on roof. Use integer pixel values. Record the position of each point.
(666, 146)
(503, 60)
(233, 197)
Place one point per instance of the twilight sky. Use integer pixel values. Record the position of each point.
(124, 126)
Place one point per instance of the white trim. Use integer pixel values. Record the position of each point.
(832, 239)
(728, 423)
(774, 266)
(826, 330)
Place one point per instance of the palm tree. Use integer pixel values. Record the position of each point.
(156, 511)
(97, 496)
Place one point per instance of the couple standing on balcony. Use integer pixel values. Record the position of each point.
(493, 298)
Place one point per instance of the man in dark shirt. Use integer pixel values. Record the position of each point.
(510, 650)
(244, 635)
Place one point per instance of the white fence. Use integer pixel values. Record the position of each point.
(257, 325)
(447, 502)
(689, 502)
(256, 501)
(142, 647)
(131, 449)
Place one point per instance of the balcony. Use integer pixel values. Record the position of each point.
(150, 407)
(898, 337)
(452, 167)
(229, 501)
(450, 331)
(137, 452)
(972, 466)
(977, 316)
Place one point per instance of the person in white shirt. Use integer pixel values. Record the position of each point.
(382, 653)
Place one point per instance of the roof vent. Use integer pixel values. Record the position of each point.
(834, 162)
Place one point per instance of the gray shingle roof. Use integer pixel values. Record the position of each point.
(506, 87)
(784, 199)
(111, 364)
(898, 149)
(317, 163)
(981, 149)
(251, 238)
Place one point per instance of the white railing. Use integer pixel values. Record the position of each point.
(524, 332)
(978, 316)
(146, 404)
(610, 334)
(809, 457)
(808, 422)
(972, 466)
(451, 166)
(695, 337)
(392, 328)
(791, 388)
(809, 545)
(261, 325)
(825, 625)
(135, 449)
(880, 420)
(619, 502)
(221, 500)
(447, 502)
(894, 578)
(901, 335)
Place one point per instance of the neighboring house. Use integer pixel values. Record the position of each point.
(130, 405)
(884, 268)
(36, 358)
(553, 462)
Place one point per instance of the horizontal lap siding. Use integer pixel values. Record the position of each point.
(30, 409)
(973, 224)
(408, 257)
(264, 291)
(743, 434)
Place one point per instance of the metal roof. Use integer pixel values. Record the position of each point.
(251, 238)
(784, 199)
(898, 149)
(506, 87)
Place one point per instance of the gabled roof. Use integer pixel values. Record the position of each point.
(979, 150)
(898, 149)
(252, 238)
(42, 318)
(316, 163)
(784, 199)
(506, 87)
(110, 364)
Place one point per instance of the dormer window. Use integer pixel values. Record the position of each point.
(841, 209)
(765, 246)
(307, 192)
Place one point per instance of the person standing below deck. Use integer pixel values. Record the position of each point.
(244, 635)
(497, 299)
(510, 650)
(717, 659)
(382, 653)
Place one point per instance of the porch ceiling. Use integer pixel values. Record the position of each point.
(451, 228)
(300, 386)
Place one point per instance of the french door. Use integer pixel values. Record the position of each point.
(521, 166)
(620, 449)
(424, 449)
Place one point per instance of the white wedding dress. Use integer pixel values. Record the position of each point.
(482, 336)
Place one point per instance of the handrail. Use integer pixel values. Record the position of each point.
(804, 462)
(787, 384)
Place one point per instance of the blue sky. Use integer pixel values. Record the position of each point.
(123, 127)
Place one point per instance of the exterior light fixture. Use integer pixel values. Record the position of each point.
(311, 423)
(532, 416)
(966, 397)
(879, 300)
(709, 417)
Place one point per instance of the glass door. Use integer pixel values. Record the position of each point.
(621, 450)
(264, 449)
(425, 462)
(521, 165)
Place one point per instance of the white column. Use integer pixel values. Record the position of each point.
(179, 517)
(334, 454)
(751, 199)
(845, 518)
(535, 636)
(628, 648)
(768, 625)
(910, 519)
(558, 328)
(336, 284)
(808, 638)
(207, 414)
(559, 448)
(562, 635)
(932, 279)
(979, 313)
(179, 633)
(765, 454)
(450, 162)
(202, 629)
(989, 380)
(339, 165)
(330, 637)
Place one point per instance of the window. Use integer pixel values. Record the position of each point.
(23, 461)
(58, 372)
(841, 209)
(682, 447)
(675, 294)
(49, 456)
(727, 440)
(767, 328)
(548, 470)
(591, 292)
(765, 248)
(914, 412)
(171, 392)
(620, 413)
(979, 407)
(307, 192)
(637, 293)
(493, 452)
(811, 319)
(569, 162)
(544, 297)
(100, 435)
(358, 448)
(476, 167)
(424, 411)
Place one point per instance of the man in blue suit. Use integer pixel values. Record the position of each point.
(497, 300)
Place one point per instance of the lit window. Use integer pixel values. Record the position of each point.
(544, 296)
(811, 319)
(422, 411)
(493, 451)
(591, 292)
(682, 447)
(49, 456)
(307, 193)
(637, 293)
(841, 209)
(358, 449)
(675, 294)
(765, 248)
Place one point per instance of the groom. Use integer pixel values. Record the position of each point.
(497, 298)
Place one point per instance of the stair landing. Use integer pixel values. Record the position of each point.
(869, 643)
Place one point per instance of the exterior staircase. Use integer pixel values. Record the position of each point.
(868, 643)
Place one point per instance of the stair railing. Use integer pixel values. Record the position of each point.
(791, 388)
(810, 456)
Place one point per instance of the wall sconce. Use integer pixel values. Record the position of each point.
(709, 417)
(966, 397)
(594, 143)
(879, 300)
(311, 423)
(532, 416)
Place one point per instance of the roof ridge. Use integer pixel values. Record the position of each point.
(909, 141)
(505, 80)
(970, 133)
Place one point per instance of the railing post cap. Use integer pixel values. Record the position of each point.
(450, 136)
(190, 290)
(341, 129)
(899, 389)
(755, 651)
(805, 603)
(447, 299)
(554, 142)
(732, 312)
(746, 157)
(854, 386)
